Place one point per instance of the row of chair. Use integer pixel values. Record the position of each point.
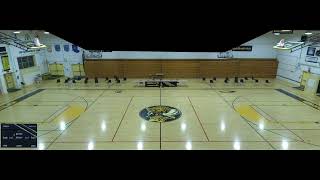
(96, 80)
(236, 80)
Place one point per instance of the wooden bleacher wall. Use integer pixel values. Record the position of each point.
(263, 68)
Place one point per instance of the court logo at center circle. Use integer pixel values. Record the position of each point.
(160, 113)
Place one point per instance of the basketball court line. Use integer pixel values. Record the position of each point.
(279, 105)
(103, 93)
(301, 140)
(198, 118)
(231, 106)
(304, 101)
(156, 88)
(19, 99)
(87, 107)
(122, 118)
(85, 142)
(272, 118)
(160, 136)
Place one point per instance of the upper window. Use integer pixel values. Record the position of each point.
(26, 62)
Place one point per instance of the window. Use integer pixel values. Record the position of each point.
(26, 62)
(5, 63)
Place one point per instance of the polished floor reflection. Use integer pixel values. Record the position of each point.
(106, 116)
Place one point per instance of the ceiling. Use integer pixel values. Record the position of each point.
(155, 29)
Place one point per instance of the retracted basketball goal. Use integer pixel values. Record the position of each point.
(297, 45)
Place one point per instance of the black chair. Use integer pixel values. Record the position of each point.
(256, 80)
(109, 81)
(73, 81)
(96, 80)
(67, 80)
(203, 79)
(124, 78)
(118, 80)
(236, 80)
(211, 81)
(241, 81)
(58, 81)
(267, 81)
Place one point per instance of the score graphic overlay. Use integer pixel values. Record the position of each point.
(18, 135)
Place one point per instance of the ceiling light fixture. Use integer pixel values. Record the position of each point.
(308, 33)
(17, 32)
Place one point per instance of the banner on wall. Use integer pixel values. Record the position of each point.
(242, 48)
(225, 55)
(311, 51)
(75, 48)
(312, 59)
(66, 47)
(312, 54)
(93, 55)
(49, 48)
(57, 47)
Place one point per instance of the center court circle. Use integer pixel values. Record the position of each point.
(160, 113)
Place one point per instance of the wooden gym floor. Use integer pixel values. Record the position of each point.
(254, 116)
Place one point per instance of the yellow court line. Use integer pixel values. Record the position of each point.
(69, 114)
(251, 114)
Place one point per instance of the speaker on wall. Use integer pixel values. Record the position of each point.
(318, 53)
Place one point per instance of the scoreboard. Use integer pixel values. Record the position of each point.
(18, 135)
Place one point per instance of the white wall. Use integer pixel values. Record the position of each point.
(292, 64)
(63, 57)
(25, 75)
(262, 48)
(42, 57)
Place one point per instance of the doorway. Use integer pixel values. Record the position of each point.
(305, 77)
(11, 86)
(5, 63)
(56, 69)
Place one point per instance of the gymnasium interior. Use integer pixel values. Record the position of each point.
(261, 95)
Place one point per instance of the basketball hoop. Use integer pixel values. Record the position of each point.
(283, 45)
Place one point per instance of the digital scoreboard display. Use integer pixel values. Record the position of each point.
(18, 135)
